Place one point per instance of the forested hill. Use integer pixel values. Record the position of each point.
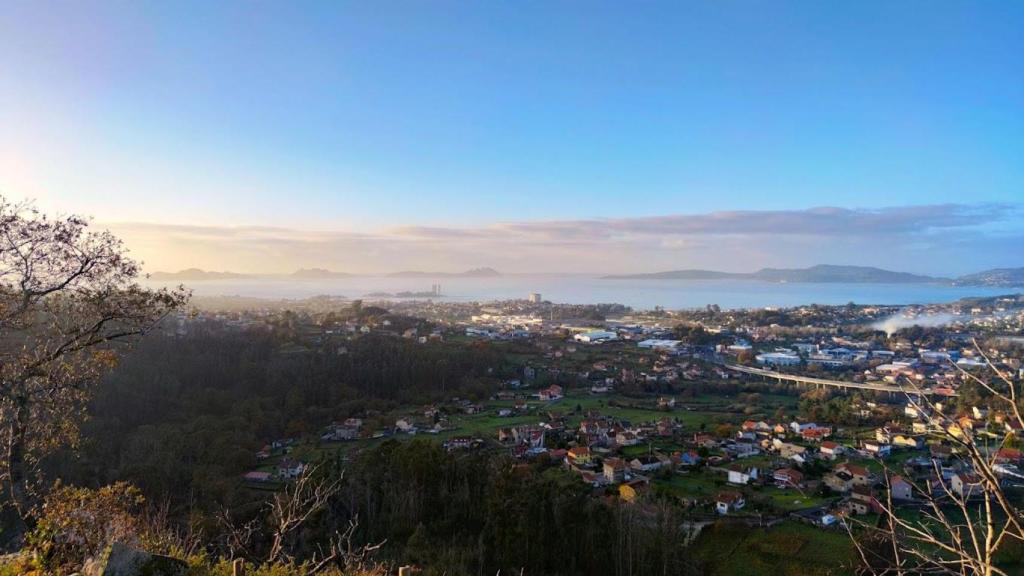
(845, 274)
(474, 273)
(195, 274)
(183, 417)
(998, 277)
(824, 273)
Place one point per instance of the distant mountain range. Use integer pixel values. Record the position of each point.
(197, 275)
(318, 273)
(843, 274)
(474, 273)
(822, 273)
(826, 273)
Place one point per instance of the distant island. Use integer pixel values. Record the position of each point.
(826, 273)
(474, 273)
(318, 273)
(843, 274)
(199, 275)
(690, 274)
(195, 274)
(997, 278)
(420, 294)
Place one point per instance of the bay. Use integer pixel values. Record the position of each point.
(592, 289)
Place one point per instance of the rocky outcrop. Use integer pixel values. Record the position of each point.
(124, 560)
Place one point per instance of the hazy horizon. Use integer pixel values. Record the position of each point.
(456, 272)
(934, 240)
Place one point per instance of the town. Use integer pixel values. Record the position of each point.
(815, 415)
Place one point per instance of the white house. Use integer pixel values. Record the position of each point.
(831, 449)
(596, 336)
(657, 344)
(288, 469)
(969, 363)
(966, 484)
(777, 359)
(742, 476)
(627, 438)
(729, 501)
(878, 449)
(800, 427)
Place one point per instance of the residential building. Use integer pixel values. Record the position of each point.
(741, 475)
(729, 501)
(553, 392)
(627, 438)
(830, 449)
(256, 476)
(845, 476)
(579, 456)
(966, 485)
(596, 336)
(614, 470)
(900, 489)
(800, 427)
(788, 478)
(288, 469)
(778, 359)
(632, 490)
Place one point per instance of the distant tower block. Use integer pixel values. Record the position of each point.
(535, 298)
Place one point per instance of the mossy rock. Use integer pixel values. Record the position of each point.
(127, 561)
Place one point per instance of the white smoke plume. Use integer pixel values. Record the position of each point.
(897, 321)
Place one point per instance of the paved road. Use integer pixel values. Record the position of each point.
(834, 383)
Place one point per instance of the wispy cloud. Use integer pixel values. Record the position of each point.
(822, 221)
(906, 235)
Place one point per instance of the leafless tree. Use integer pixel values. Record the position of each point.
(343, 553)
(69, 303)
(237, 538)
(295, 505)
(958, 531)
(288, 511)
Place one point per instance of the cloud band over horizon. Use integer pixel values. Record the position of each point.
(935, 239)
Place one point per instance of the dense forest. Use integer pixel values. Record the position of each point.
(481, 513)
(185, 415)
(182, 417)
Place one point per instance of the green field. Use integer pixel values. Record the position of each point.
(635, 410)
(487, 423)
(789, 548)
(789, 500)
(695, 485)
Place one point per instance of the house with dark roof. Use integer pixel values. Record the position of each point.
(900, 488)
(788, 478)
(729, 501)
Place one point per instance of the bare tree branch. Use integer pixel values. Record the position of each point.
(67, 295)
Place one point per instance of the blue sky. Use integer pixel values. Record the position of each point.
(363, 118)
